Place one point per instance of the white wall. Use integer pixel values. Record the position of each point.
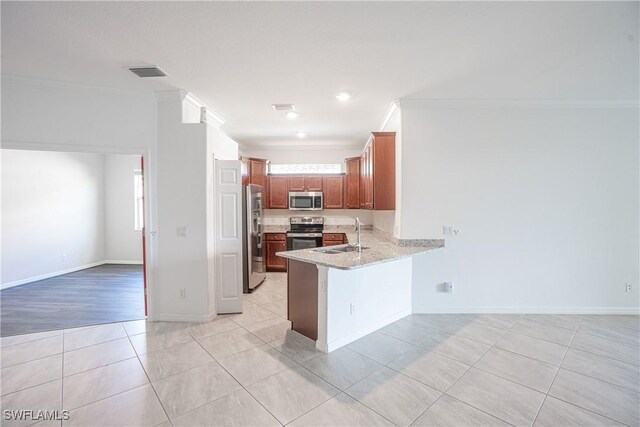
(122, 242)
(66, 117)
(54, 113)
(546, 200)
(52, 213)
(48, 115)
(381, 294)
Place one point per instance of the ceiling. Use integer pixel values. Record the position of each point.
(241, 57)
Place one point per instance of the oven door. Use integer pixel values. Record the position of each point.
(303, 241)
(305, 201)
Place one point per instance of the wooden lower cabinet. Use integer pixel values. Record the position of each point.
(275, 242)
(333, 239)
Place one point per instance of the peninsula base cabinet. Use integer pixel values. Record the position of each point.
(302, 294)
(275, 242)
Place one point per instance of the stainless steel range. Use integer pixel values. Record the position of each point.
(305, 232)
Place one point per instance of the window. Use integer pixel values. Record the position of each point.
(305, 169)
(138, 192)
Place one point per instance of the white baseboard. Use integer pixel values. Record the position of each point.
(196, 318)
(49, 275)
(121, 261)
(334, 345)
(528, 310)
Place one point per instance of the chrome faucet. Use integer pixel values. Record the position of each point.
(358, 245)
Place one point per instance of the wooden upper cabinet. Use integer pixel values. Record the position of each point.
(333, 192)
(378, 173)
(313, 183)
(244, 170)
(383, 171)
(296, 183)
(352, 183)
(366, 179)
(305, 183)
(258, 172)
(254, 171)
(278, 197)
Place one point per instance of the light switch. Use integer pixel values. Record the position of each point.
(182, 231)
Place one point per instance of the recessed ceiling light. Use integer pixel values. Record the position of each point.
(292, 115)
(343, 96)
(301, 134)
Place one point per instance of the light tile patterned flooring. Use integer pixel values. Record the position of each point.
(250, 369)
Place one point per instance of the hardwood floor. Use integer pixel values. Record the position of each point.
(103, 294)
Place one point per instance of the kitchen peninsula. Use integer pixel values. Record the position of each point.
(337, 297)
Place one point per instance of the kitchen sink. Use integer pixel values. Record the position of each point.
(337, 250)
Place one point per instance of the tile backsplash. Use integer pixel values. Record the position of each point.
(331, 216)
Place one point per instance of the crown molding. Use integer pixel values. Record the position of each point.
(171, 94)
(516, 103)
(60, 86)
(392, 112)
(212, 118)
(189, 99)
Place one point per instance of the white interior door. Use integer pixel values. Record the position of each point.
(228, 236)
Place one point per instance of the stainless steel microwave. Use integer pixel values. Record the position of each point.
(305, 200)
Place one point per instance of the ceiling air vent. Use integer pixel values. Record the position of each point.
(147, 72)
(283, 107)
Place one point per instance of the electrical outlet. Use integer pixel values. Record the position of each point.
(64, 257)
(448, 287)
(352, 308)
(628, 287)
(450, 230)
(183, 293)
(182, 231)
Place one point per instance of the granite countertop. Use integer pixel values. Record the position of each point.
(381, 249)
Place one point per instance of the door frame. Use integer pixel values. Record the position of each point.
(150, 243)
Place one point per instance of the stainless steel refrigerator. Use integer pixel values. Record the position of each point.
(254, 256)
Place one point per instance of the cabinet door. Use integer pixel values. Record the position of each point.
(333, 192)
(366, 192)
(370, 179)
(244, 170)
(278, 192)
(383, 172)
(313, 183)
(274, 262)
(352, 184)
(296, 183)
(258, 172)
